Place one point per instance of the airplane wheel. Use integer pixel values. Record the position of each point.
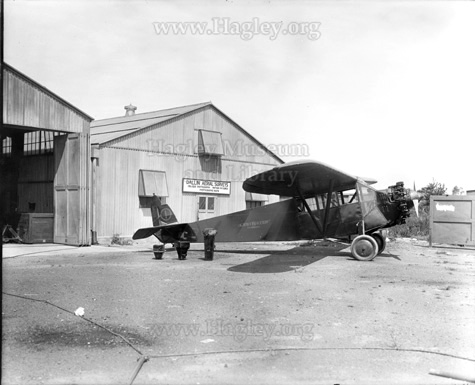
(380, 240)
(364, 248)
(182, 249)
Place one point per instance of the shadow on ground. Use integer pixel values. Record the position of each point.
(281, 261)
(278, 260)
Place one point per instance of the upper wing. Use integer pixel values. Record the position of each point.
(306, 178)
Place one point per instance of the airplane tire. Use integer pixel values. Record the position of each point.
(381, 241)
(364, 248)
(182, 249)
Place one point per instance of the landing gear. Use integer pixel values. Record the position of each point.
(182, 249)
(364, 248)
(380, 240)
(158, 251)
(209, 235)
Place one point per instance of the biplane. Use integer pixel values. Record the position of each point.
(317, 202)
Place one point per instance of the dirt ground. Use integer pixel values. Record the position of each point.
(258, 313)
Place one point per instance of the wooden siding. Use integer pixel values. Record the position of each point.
(180, 136)
(170, 148)
(71, 189)
(27, 104)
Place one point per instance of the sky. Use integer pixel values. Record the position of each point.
(378, 89)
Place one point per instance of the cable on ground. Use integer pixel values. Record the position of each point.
(143, 359)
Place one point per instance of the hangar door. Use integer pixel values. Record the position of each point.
(71, 190)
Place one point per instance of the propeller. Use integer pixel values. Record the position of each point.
(415, 196)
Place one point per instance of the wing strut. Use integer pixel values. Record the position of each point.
(315, 220)
(327, 208)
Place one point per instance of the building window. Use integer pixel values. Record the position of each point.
(211, 163)
(146, 202)
(210, 143)
(152, 183)
(7, 147)
(39, 142)
(253, 204)
(255, 200)
(206, 204)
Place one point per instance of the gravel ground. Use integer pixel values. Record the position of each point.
(258, 313)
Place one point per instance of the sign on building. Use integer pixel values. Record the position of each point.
(206, 186)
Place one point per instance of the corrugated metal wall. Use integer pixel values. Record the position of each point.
(170, 147)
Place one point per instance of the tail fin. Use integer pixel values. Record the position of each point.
(162, 214)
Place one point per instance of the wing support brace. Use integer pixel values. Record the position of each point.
(328, 205)
(315, 220)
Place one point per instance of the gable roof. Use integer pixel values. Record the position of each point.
(8, 68)
(107, 130)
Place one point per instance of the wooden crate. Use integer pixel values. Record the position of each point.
(36, 227)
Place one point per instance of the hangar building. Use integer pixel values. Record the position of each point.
(194, 158)
(68, 179)
(44, 163)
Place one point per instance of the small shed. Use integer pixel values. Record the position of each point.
(452, 220)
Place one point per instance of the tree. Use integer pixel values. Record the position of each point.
(433, 188)
(458, 191)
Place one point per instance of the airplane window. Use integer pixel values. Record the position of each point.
(368, 194)
(351, 196)
(335, 202)
(311, 203)
(368, 198)
(321, 202)
(342, 197)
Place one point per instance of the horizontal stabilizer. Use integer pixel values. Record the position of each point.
(167, 233)
(145, 232)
